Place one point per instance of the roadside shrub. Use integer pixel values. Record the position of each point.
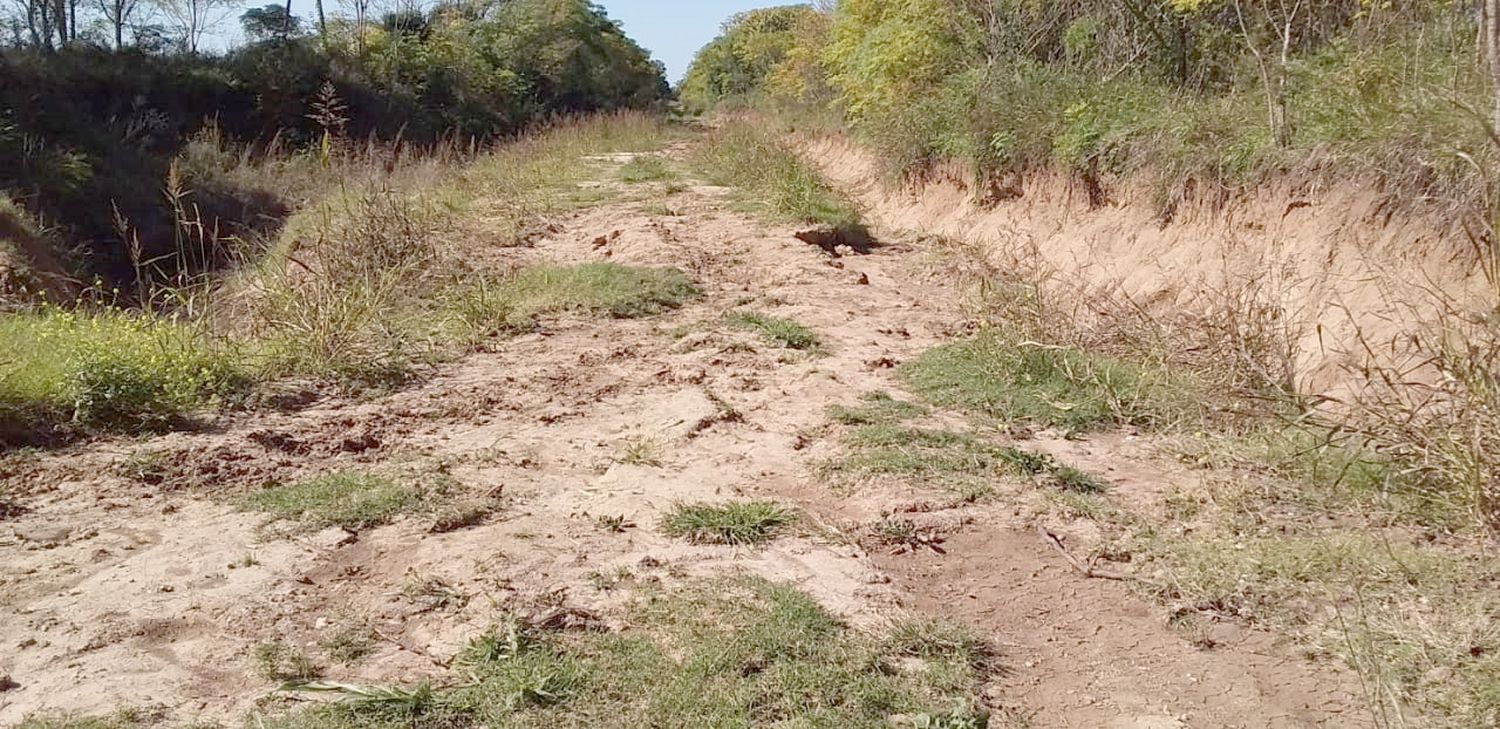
(107, 368)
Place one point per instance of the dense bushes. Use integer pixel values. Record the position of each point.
(88, 136)
(1190, 94)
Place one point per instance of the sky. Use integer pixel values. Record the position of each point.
(673, 31)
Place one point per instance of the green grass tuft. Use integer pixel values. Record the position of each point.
(780, 332)
(739, 523)
(878, 408)
(487, 308)
(1046, 386)
(646, 168)
(348, 500)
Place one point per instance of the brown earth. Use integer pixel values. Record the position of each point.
(118, 590)
(1341, 275)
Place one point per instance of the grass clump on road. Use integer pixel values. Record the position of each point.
(491, 307)
(951, 460)
(783, 333)
(646, 168)
(350, 500)
(774, 179)
(877, 408)
(730, 653)
(108, 369)
(1048, 386)
(738, 523)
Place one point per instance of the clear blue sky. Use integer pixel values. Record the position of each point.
(673, 31)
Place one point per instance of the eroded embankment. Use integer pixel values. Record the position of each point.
(1333, 274)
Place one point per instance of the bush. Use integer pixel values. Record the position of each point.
(108, 369)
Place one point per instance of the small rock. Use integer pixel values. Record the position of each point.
(7, 684)
(863, 280)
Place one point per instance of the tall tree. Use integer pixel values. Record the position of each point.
(192, 19)
(118, 14)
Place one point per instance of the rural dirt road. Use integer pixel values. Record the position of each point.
(117, 590)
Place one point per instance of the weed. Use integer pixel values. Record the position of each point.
(1076, 481)
(463, 514)
(727, 653)
(612, 524)
(432, 593)
(107, 369)
(1044, 385)
(646, 168)
(737, 523)
(641, 452)
(277, 661)
(780, 332)
(486, 308)
(350, 644)
(349, 500)
(878, 408)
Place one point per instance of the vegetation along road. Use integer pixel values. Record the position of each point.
(913, 363)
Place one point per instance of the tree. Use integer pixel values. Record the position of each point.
(118, 14)
(192, 19)
(270, 23)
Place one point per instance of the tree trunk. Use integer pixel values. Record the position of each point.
(323, 21)
(1490, 17)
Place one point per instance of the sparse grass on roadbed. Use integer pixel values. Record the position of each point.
(780, 332)
(740, 523)
(728, 653)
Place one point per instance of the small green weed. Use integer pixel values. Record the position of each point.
(277, 661)
(878, 408)
(488, 307)
(349, 644)
(349, 500)
(641, 452)
(646, 168)
(738, 523)
(780, 332)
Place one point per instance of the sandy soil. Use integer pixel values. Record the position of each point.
(116, 591)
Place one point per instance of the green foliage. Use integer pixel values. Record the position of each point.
(731, 653)
(350, 500)
(87, 132)
(601, 288)
(760, 51)
(106, 368)
(646, 168)
(775, 179)
(737, 523)
(780, 332)
(878, 408)
(1043, 385)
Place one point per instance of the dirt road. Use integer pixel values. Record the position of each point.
(118, 590)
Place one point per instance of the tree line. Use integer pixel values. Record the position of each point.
(100, 103)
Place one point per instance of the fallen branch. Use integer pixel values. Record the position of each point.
(1087, 570)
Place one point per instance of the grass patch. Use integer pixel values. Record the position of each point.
(739, 523)
(107, 369)
(877, 408)
(1048, 386)
(1415, 620)
(773, 179)
(277, 661)
(783, 333)
(731, 653)
(646, 168)
(487, 308)
(955, 461)
(350, 500)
